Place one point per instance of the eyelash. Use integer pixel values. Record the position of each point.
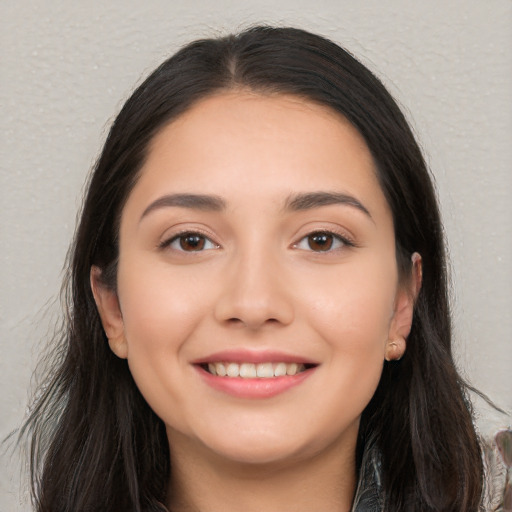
(179, 238)
(333, 237)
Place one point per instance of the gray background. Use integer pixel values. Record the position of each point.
(67, 66)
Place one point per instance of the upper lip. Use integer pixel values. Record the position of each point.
(253, 356)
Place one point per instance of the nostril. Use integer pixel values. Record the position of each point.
(251, 323)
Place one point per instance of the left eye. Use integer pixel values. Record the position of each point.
(190, 242)
(321, 241)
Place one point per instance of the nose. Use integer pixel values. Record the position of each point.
(255, 294)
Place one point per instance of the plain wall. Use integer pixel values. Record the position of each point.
(67, 66)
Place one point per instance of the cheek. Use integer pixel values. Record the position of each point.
(353, 309)
(352, 315)
(159, 305)
(160, 313)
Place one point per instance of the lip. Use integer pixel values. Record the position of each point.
(254, 356)
(255, 388)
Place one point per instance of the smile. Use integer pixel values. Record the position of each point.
(254, 374)
(255, 371)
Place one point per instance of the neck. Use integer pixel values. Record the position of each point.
(206, 482)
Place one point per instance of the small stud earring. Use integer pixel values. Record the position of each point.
(393, 352)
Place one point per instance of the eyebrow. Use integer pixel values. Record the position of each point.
(194, 201)
(295, 202)
(310, 200)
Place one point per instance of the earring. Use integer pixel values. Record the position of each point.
(395, 350)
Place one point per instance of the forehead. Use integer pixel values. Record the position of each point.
(268, 119)
(240, 143)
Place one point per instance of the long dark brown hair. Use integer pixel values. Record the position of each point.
(95, 443)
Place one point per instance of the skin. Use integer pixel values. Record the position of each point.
(259, 284)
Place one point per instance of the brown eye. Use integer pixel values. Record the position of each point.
(320, 241)
(192, 242)
(189, 242)
(323, 241)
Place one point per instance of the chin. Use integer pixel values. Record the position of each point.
(260, 454)
(269, 447)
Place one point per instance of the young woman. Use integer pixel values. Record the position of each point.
(258, 314)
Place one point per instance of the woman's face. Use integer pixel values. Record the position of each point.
(256, 242)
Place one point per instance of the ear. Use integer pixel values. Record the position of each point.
(110, 313)
(401, 322)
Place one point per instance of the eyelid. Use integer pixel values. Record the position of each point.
(343, 237)
(168, 240)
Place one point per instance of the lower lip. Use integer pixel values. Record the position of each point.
(254, 388)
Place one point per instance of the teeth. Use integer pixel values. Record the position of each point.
(221, 369)
(247, 371)
(280, 370)
(291, 369)
(233, 370)
(251, 371)
(265, 370)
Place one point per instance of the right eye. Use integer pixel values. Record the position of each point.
(190, 242)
